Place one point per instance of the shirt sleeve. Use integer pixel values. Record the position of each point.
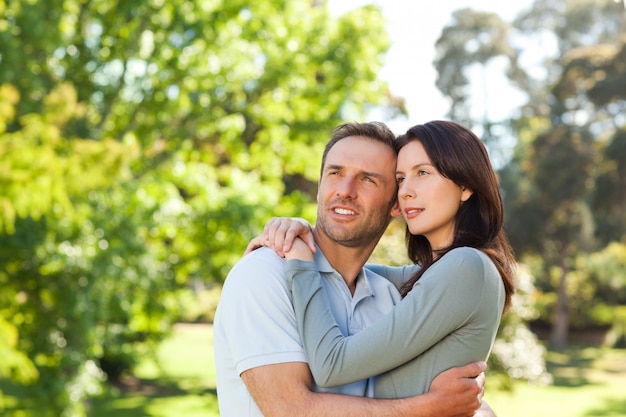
(256, 314)
(397, 275)
(446, 296)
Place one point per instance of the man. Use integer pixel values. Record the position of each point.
(261, 366)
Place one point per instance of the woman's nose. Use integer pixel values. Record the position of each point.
(405, 191)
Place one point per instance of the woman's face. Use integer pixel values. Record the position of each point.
(429, 201)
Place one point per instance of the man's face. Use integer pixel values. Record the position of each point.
(356, 191)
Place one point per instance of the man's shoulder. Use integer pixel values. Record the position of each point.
(256, 281)
(257, 268)
(260, 260)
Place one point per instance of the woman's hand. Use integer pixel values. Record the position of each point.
(279, 234)
(299, 250)
(256, 243)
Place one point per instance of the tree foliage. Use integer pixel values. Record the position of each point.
(564, 183)
(471, 39)
(142, 144)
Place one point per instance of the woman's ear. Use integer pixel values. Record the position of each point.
(395, 209)
(466, 193)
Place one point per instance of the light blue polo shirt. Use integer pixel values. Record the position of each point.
(255, 324)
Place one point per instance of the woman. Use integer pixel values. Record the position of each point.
(452, 306)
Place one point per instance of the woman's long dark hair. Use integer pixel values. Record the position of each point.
(459, 155)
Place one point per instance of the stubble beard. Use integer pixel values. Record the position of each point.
(353, 236)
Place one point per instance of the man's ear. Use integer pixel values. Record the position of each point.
(395, 209)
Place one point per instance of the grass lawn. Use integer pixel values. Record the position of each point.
(181, 382)
(588, 382)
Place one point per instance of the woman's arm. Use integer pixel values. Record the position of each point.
(397, 275)
(446, 297)
(279, 234)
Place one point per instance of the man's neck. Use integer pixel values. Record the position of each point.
(346, 260)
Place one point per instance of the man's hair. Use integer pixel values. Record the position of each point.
(376, 131)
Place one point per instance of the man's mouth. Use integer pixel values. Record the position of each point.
(344, 211)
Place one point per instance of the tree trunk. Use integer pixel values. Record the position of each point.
(560, 327)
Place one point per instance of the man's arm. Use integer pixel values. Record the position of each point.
(286, 390)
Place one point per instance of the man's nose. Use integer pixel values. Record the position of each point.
(347, 188)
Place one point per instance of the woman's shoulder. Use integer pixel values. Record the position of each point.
(470, 259)
(468, 253)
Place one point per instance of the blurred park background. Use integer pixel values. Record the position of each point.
(143, 143)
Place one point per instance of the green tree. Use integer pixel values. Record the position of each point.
(472, 39)
(564, 225)
(588, 37)
(141, 145)
(51, 292)
(594, 78)
(568, 134)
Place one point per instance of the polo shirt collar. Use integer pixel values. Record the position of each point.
(363, 286)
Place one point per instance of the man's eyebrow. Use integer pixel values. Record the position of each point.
(365, 173)
(373, 174)
(331, 166)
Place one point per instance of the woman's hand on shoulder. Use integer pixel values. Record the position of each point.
(279, 234)
(299, 250)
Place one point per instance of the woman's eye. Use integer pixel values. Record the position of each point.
(422, 172)
(399, 180)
